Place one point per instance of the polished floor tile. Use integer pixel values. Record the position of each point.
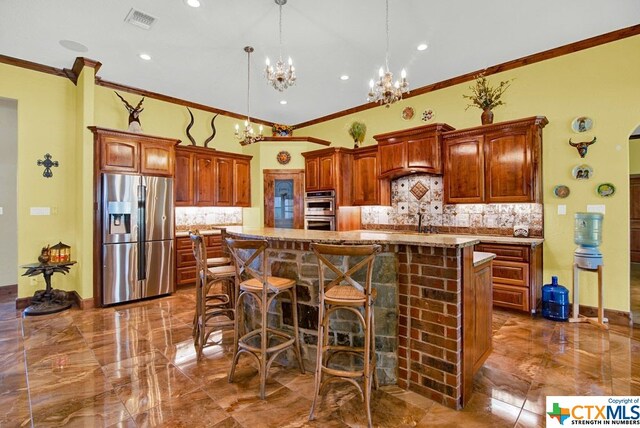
(135, 365)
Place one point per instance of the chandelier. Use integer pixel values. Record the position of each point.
(247, 135)
(385, 90)
(283, 75)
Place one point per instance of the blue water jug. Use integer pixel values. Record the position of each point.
(555, 301)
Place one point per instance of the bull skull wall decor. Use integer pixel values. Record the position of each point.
(582, 147)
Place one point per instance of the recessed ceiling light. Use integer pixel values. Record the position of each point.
(344, 77)
(193, 3)
(283, 102)
(422, 47)
(73, 46)
(145, 56)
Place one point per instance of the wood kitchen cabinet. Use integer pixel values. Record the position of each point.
(128, 152)
(206, 177)
(330, 169)
(368, 189)
(411, 150)
(496, 163)
(482, 314)
(185, 261)
(517, 275)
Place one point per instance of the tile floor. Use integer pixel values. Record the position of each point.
(135, 366)
(635, 292)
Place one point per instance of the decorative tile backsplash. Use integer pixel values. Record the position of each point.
(424, 194)
(204, 218)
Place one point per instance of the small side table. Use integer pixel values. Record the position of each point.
(47, 301)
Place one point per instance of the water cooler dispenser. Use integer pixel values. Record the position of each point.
(588, 235)
(587, 257)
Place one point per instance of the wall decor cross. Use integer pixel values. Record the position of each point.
(47, 163)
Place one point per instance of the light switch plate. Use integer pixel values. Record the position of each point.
(40, 211)
(562, 210)
(595, 209)
(1, 210)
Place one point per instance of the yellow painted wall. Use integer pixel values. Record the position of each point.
(601, 83)
(634, 156)
(46, 124)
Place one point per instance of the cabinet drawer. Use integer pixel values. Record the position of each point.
(213, 240)
(186, 275)
(513, 297)
(185, 258)
(511, 273)
(183, 243)
(512, 253)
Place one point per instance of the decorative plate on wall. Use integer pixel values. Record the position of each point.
(561, 191)
(606, 189)
(407, 113)
(582, 124)
(427, 115)
(582, 172)
(284, 157)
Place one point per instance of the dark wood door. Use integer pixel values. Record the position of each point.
(183, 181)
(464, 170)
(635, 217)
(393, 157)
(241, 183)
(224, 182)
(271, 177)
(425, 153)
(327, 172)
(311, 174)
(509, 171)
(204, 180)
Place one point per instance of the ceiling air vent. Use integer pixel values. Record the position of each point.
(140, 19)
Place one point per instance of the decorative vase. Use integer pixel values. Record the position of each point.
(487, 117)
(355, 144)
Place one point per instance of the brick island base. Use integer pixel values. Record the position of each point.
(418, 310)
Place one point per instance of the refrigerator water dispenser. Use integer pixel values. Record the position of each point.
(119, 215)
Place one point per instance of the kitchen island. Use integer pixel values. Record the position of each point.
(424, 326)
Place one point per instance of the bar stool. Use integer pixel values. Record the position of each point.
(346, 294)
(263, 343)
(215, 310)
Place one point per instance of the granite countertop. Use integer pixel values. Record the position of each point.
(185, 233)
(356, 237)
(480, 257)
(491, 239)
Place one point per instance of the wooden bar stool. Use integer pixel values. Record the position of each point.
(346, 294)
(263, 343)
(215, 310)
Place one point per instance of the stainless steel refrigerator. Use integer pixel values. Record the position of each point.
(137, 237)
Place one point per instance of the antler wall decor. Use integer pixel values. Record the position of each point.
(134, 114)
(582, 147)
(213, 128)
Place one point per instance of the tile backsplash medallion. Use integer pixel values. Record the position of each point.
(424, 194)
(204, 218)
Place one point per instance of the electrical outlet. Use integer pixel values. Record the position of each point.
(33, 281)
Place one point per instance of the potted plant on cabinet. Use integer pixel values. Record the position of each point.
(357, 131)
(486, 97)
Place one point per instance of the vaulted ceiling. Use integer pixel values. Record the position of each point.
(197, 53)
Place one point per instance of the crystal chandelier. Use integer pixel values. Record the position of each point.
(385, 90)
(283, 75)
(247, 135)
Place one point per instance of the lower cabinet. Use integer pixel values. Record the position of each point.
(186, 263)
(517, 275)
(482, 314)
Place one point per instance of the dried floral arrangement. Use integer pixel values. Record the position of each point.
(279, 130)
(484, 96)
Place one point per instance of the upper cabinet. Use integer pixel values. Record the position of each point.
(206, 177)
(128, 152)
(330, 169)
(494, 163)
(368, 189)
(411, 150)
